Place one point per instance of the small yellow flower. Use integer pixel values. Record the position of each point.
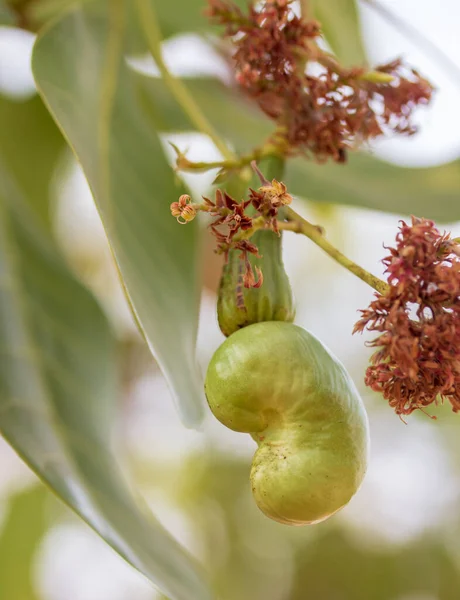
(183, 210)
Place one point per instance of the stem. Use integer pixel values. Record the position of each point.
(149, 24)
(202, 207)
(376, 77)
(298, 224)
(183, 164)
(257, 223)
(330, 62)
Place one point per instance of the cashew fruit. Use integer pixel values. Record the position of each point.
(238, 306)
(279, 383)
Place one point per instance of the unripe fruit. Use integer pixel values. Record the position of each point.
(237, 306)
(278, 382)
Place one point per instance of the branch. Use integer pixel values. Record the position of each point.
(298, 224)
(233, 164)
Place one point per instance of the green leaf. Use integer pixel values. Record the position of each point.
(341, 27)
(57, 393)
(424, 567)
(174, 18)
(187, 15)
(6, 14)
(238, 120)
(181, 16)
(20, 537)
(365, 181)
(132, 184)
(30, 144)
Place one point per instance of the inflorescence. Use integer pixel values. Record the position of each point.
(232, 226)
(417, 361)
(322, 107)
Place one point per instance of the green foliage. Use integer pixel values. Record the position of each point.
(177, 17)
(30, 145)
(6, 14)
(340, 25)
(132, 185)
(368, 182)
(185, 15)
(420, 568)
(243, 125)
(26, 523)
(57, 393)
(260, 559)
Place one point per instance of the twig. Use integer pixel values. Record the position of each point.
(297, 224)
(239, 162)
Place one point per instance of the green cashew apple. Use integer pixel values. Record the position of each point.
(279, 383)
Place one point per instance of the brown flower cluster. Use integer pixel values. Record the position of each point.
(232, 226)
(230, 214)
(266, 200)
(398, 98)
(323, 107)
(417, 361)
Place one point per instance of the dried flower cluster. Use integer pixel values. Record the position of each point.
(418, 320)
(268, 199)
(231, 217)
(324, 110)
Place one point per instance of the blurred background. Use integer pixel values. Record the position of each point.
(399, 537)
